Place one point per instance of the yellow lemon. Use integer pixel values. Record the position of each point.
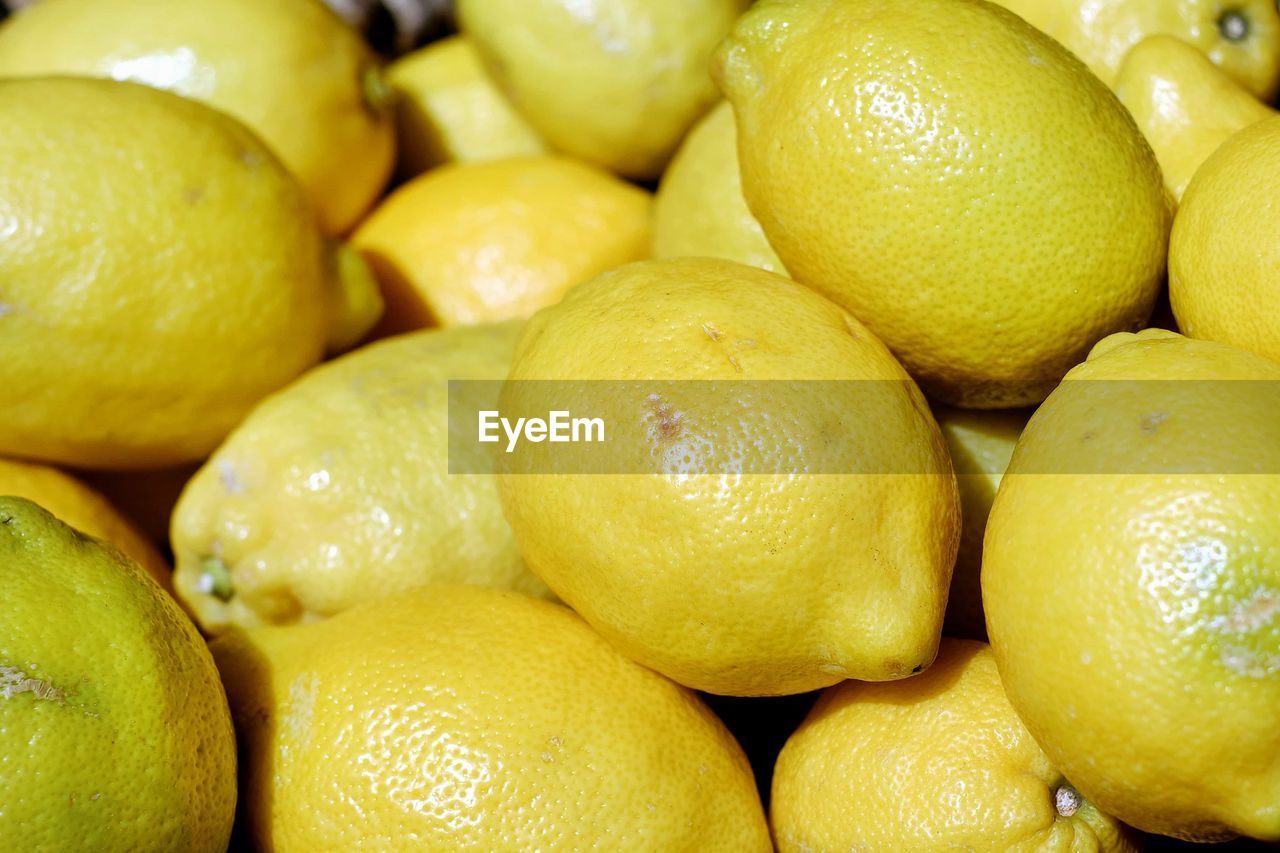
(699, 209)
(696, 554)
(1224, 259)
(981, 444)
(481, 242)
(338, 490)
(1242, 36)
(79, 506)
(1132, 587)
(989, 220)
(465, 717)
(939, 761)
(1185, 105)
(161, 273)
(448, 110)
(113, 725)
(289, 69)
(613, 82)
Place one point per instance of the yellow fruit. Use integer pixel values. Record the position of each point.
(161, 273)
(338, 490)
(1184, 104)
(1242, 37)
(768, 581)
(613, 82)
(472, 718)
(449, 110)
(936, 762)
(699, 209)
(113, 724)
(981, 444)
(289, 69)
(79, 506)
(481, 242)
(1132, 589)
(1224, 258)
(989, 220)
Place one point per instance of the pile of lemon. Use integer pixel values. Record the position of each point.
(242, 258)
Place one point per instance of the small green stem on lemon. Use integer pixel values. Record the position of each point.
(1067, 800)
(375, 91)
(215, 579)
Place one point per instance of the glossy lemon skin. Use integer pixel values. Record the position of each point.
(751, 584)
(613, 82)
(473, 718)
(965, 188)
(137, 333)
(1185, 105)
(1102, 34)
(77, 505)
(449, 110)
(113, 723)
(938, 761)
(1137, 635)
(338, 490)
(486, 242)
(289, 69)
(699, 210)
(1224, 263)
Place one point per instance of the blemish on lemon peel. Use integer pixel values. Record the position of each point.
(14, 681)
(1151, 421)
(669, 418)
(1249, 616)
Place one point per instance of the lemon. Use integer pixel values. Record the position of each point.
(988, 220)
(1224, 260)
(699, 209)
(482, 242)
(981, 444)
(939, 761)
(448, 110)
(161, 273)
(289, 69)
(1242, 37)
(79, 506)
(1185, 105)
(613, 82)
(465, 717)
(1131, 584)
(338, 490)
(113, 724)
(696, 556)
